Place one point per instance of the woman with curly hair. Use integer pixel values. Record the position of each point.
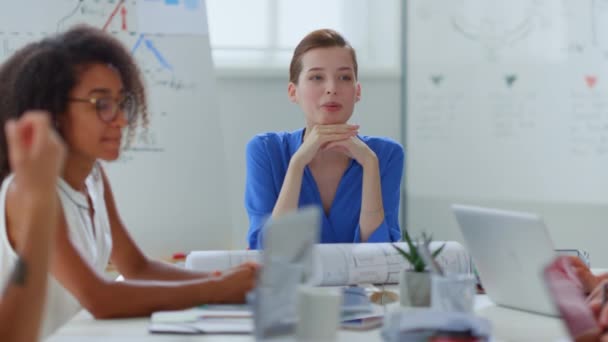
(93, 90)
(36, 156)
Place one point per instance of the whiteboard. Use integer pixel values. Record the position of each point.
(170, 183)
(507, 105)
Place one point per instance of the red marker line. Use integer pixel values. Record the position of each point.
(113, 14)
(123, 13)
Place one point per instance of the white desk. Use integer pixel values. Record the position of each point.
(508, 325)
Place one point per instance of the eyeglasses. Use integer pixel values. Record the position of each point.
(108, 107)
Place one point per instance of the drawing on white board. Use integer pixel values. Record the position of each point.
(436, 112)
(513, 114)
(110, 15)
(575, 47)
(158, 70)
(587, 25)
(490, 36)
(120, 7)
(118, 17)
(599, 16)
(591, 81)
(72, 13)
(588, 120)
(150, 46)
(11, 42)
(437, 79)
(146, 141)
(510, 80)
(172, 17)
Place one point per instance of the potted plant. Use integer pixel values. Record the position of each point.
(415, 281)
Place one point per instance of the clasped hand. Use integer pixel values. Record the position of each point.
(341, 138)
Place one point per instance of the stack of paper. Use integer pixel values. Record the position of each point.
(216, 319)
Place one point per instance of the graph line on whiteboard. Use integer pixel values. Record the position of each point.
(123, 15)
(137, 44)
(152, 48)
(159, 56)
(69, 15)
(113, 14)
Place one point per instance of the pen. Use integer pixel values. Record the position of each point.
(604, 302)
(604, 294)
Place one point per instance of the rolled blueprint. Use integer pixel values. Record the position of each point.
(343, 264)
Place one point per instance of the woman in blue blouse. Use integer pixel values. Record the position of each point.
(356, 179)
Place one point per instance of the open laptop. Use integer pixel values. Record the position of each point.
(510, 250)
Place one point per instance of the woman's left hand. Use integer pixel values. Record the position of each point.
(354, 148)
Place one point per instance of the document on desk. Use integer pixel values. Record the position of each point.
(204, 326)
(203, 320)
(344, 264)
(209, 261)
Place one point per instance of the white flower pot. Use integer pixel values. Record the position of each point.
(415, 288)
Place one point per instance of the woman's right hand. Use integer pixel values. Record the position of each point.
(237, 282)
(588, 280)
(36, 153)
(318, 137)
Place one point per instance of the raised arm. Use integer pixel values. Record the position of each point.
(36, 156)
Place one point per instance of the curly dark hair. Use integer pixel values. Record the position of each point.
(41, 75)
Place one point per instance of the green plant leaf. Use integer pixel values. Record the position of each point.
(436, 253)
(413, 256)
(404, 254)
(419, 266)
(413, 248)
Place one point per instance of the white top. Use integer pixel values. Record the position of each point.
(93, 240)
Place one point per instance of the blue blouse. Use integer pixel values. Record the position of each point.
(268, 157)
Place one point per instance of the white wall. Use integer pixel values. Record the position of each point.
(255, 102)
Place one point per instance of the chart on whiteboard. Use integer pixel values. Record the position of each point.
(166, 75)
(506, 93)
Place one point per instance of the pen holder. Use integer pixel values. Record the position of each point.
(453, 292)
(274, 302)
